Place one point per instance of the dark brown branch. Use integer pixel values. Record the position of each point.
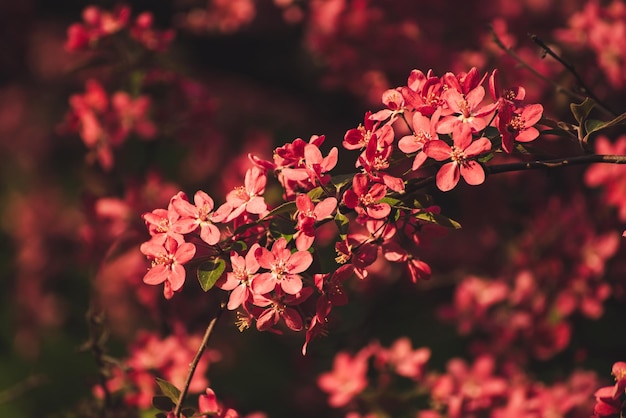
(415, 185)
(196, 359)
(559, 88)
(569, 67)
(556, 163)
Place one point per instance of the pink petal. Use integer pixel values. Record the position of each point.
(475, 96)
(256, 205)
(252, 265)
(532, 114)
(210, 234)
(378, 210)
(185, 225)
(473, 173)
(478, 147)
(330, 161)
(263, 283)
(255, 180)
(184, 208)
(408, 144)
(202, 199)
(221, 213)
(292, 319)
(448, 176)
(177, 277)
(420, 158)
(304, 203)
(291, 284)
(462, 136)
(437, 149)
(304, 241)
(325, 208)
(227, 281)
(156, 275)
(527, 135)
(185, 252)
(299, 261)
(267, 319)
(237, 297)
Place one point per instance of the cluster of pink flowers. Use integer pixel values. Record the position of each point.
(265, 243)
(602, 29)
(104, 123)
(98, 24)
(266, 277)
(367, 381)
(152, 356)
(611, 178)
(540, 288)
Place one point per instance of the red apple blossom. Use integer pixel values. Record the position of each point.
(248, 198)
(167, 263)
(200, 215)
(239, 279)
(461, 151)
(308, 214)
(284, 268)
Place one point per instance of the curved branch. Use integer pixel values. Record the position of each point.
(196, 359)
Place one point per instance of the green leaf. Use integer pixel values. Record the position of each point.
(392, 201)
(286, 207)
(316, 193)
(342, 223)
(209, 272)
(188, 412)
(486, 158)
(168, 389)
(595, 125)
(163, 403)
(342, 180)
(280, 227)
(239, 246)
(581, 111)
(436, 218)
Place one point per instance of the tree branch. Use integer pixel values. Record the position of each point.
(416, 184)
(196, 359)
(569, 67)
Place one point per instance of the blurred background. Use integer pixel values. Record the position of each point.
(221, 79)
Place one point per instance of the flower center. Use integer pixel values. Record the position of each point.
(516, 124)
(458, 155)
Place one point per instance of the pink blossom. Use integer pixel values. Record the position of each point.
(239, 279)
(423, 131)
(466, 109)
(200, 215)
(279, 306)
(167, 264)
(308, 214)
(284, 268)
(517, 124)
(347, 379)
(248, 198)
(365, 198)
(461, 165)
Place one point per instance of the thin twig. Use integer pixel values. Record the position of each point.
(196, 359)
(556, 163)
(569, 67)
(413, 186)
(559, 88)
